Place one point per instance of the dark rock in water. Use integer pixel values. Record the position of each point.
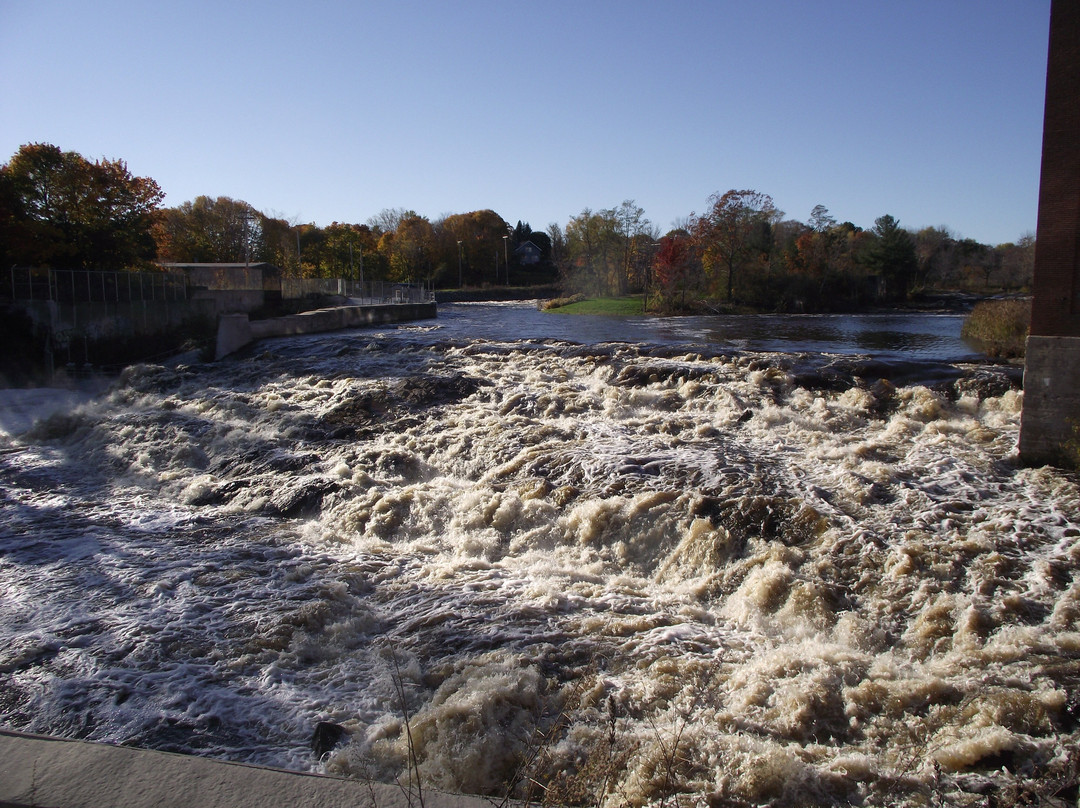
(407, 396)
(1070, 716)
(429, 391)
(823, 379)
(327, 735)
(303, 497)
(993, 381)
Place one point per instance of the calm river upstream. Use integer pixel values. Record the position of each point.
(745, 560)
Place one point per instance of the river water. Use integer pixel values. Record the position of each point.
(787, 561)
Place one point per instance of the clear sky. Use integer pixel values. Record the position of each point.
(929, 110)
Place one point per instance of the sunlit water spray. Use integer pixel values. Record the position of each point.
(613, 571)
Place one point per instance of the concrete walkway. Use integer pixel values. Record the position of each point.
(54, 773)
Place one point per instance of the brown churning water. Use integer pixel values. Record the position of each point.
(617, 573)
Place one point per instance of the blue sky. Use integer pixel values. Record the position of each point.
(320, 111)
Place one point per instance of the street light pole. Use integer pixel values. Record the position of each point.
(506, 260)
(247, 238)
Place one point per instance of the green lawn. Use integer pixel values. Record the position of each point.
(621, 306)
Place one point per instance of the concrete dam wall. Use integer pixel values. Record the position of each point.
(237, 330)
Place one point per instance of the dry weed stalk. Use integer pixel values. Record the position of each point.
(414, 764)
(673, 756)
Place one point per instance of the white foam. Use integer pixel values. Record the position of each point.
(805, 588)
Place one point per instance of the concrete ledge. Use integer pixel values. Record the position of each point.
(1051, 417)
(53, 773)
(236, 330)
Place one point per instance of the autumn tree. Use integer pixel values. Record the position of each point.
(279, 244)
(207, 230)
(935, 255)
(59, 209)
(593, 253)
(821, 221)
(1017, 262)
(344, 247)
(475, 241)
(409, 252)
(975, 263)
(637, 235)
(674, 272)
(388, 219)
(557, 237)
(735, 234)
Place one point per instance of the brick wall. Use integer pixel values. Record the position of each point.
(1056, 310)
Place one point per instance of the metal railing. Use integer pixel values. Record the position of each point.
(376, 292)
(91, 286)
(366, 293)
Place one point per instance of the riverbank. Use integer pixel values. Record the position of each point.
(495, 294)
(634, 305)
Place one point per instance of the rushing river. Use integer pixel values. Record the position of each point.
(757, 560)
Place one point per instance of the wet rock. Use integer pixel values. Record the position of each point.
(216, 494)
(304, 497)
(55, 427)
(395, 463)
(153, 378)
(283, 461)
(989, 382)
(1070, 715)
(430, 391)
(384, 404)
(823, 380)
(358, 410)
(884, 393)
(326, 736)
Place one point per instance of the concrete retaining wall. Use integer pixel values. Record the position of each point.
(122, 319)
(237, 330)
(53, 773)
(230, 301)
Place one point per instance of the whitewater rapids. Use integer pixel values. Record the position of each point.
(588, 574)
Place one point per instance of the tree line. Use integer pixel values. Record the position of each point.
(742, 253)
(59, 209)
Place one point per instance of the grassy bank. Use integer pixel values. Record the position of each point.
(613, 306)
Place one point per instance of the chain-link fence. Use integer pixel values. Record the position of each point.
(89, 286)
(368, 293)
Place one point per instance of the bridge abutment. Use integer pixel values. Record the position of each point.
(1050, 427)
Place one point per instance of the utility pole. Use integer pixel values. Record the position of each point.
(247, 239)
